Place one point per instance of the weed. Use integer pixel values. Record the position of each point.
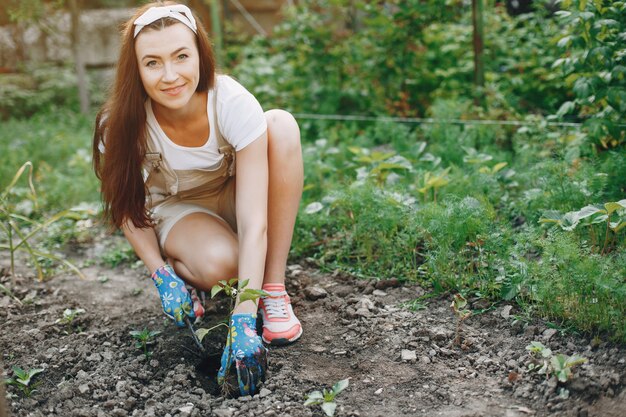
(23, 380)
(458, 307)
(144, 338)
(326, 398)
(545, 362)
(121, 254)
(69, 317)
(17, 225)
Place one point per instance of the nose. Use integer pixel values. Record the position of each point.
(169, 74)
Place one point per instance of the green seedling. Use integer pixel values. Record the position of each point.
(235, 290)
(433, 181)
(458, 307)
(19, 229)
(23, 380)
(144, 338)
(543, 361)
(326, 399)
(69, 316)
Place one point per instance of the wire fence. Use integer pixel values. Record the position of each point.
(428, 120)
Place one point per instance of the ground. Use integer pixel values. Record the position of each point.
(399, 361)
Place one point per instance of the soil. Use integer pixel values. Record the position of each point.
(399, 362)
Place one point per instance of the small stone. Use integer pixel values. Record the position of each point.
(530, 331)
(425, 359)
(318, 349)
(315, 293)
(186, 409)
(506, 312)
(379, 293)
(408, 355)
(549, 333)
(83, 388)
(378, 391)
(387, 283)
(264, 392)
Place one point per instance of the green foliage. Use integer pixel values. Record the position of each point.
(326, 398)
(23, 380)
(543, 361)
(143, 339)
(118, 255)
(69, 317)
(19, 229)
(458, 306)
(594, 67)
(610, 216)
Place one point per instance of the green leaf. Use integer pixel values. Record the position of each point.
(612, 207)
(551, 216)
(569, 221)
(315, 397)
(329, 408)
(243, 284)
(201, 333)
(566, 108)
(249, 294)
(588, 211)
(216, 290)
(340, 386)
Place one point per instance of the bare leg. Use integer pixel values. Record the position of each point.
(202, 250)
(286, 176)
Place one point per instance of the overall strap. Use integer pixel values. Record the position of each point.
(224, 147)
(221, 142)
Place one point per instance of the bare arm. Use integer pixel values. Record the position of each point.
(145, 244)
(251, 195)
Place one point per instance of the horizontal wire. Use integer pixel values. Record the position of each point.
(421, 120)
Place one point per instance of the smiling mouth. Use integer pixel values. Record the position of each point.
(174, 90)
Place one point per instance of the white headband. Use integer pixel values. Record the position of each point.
(179, 12)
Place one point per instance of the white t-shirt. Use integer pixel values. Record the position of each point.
(240, 120)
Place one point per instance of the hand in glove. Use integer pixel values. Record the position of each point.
(175, 298)
(245, 349)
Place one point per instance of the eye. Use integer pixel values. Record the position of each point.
(182, 57)
(151, 64)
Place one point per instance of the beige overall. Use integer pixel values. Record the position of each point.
(173, 194)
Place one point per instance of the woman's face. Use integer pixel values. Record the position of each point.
(169, 65)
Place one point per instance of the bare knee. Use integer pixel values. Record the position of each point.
(282, 131)
(214, 263)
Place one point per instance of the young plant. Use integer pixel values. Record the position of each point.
(23, 380)
(433, 181)
(233, 292)
(17, 226)
(612, 215)
(458, 307)
(326, 399)
(69, 316)
(144, 338)
(545, 362)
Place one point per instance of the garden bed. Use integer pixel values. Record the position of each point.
(399, 360)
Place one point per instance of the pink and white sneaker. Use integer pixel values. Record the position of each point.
(280, 324)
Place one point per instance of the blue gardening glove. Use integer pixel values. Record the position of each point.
(174, 296)
(245, 348)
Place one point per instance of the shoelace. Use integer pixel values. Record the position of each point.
(275, 305)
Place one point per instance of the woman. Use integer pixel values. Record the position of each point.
(165, 147)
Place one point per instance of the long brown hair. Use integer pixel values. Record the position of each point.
(121, 126)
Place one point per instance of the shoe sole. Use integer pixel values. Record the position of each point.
(282, 341)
